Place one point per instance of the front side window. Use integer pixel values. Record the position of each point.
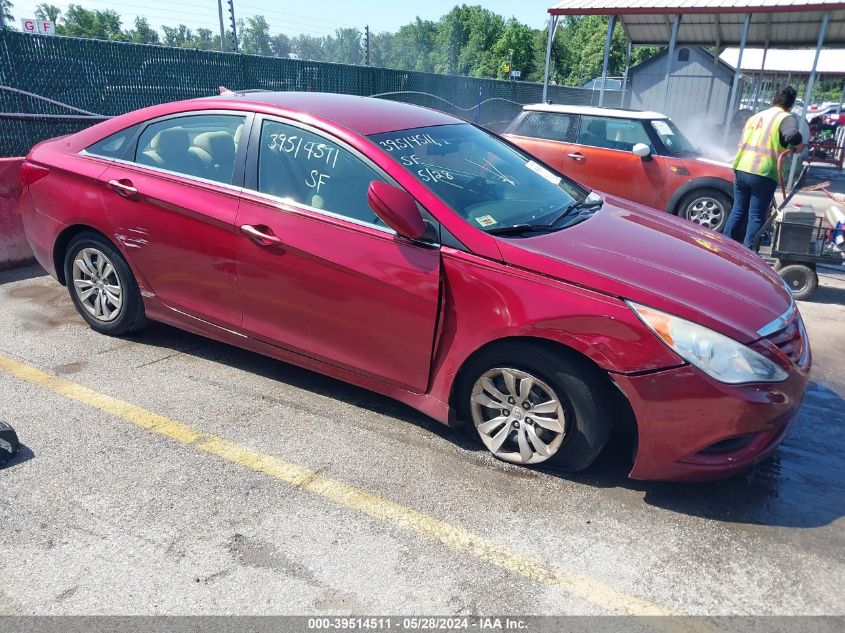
(203, 146)
(486, 181)
(554, 126)
(310, 169)
(619, 134)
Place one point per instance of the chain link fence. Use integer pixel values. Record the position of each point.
(51, 85)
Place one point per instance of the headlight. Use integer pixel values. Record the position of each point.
(718, 356)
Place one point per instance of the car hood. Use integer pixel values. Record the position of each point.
(656, 259)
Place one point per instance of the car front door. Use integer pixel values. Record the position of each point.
(550, 136)
(172, 202)
(603, 159)
(318, 273)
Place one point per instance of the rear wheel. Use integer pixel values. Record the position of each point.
(102, 286)
(801, 279)
(708, 207)
(528, 405)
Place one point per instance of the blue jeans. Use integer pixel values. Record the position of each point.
(753, 196)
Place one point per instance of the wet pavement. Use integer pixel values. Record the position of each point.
(101, 516)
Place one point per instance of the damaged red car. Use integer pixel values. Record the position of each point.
(421, 257)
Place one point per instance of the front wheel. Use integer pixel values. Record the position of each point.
(102, 286)
(708, 207)
(529, 404)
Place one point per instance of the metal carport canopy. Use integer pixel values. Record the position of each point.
(775, 23)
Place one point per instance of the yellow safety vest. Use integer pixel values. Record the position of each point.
(760, 145)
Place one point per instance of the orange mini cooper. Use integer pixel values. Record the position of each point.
(641, 156)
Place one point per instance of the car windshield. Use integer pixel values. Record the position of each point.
(675, 142)
(488, 182)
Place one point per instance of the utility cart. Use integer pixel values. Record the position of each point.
(794, 240)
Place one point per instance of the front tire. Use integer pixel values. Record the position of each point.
(708, 207)
(102, 286)
(529, 404)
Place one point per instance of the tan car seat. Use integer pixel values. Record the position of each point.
(170, 149)
(217, 152)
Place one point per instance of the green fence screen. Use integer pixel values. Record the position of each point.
(110, 78)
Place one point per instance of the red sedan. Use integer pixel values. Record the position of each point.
(413, 254)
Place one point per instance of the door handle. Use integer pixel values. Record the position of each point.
(576, 156)
(260, 236)
(123, 188)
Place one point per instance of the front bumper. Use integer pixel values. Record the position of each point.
(693, 428)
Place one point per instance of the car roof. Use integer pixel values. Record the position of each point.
(594, 111)
(362, 115)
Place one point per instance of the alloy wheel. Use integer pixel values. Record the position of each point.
(97, 285)
(707, 212)
(519, 417)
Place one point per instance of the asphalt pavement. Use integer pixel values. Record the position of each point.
(165, 473)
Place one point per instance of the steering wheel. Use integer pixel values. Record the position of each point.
(480, 185)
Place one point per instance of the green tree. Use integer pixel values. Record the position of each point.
(579, 50)
(255, 36)
(382, 49)
(827, 90)
(308, 47)
(518, 38)
(477, 57)
(179, 36)
(206, 40)
(344, 47)
(540, 41)
(280, 44)
(48, 12)
(81, 22)
(6, 7)
(465, 40)
(452, 37)
(143, 33)
(415, 45)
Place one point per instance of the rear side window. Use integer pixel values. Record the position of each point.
(312, 170)
(203, 146)
(113, 146)
(620, 134)
(554, 126)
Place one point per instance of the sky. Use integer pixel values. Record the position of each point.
(316, 17)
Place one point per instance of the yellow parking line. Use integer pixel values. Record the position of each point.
(455, 537)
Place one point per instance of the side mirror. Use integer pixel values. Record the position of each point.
(397, 209)
(642, 150)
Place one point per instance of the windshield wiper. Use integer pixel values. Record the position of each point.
(585, 205)
(518, 229)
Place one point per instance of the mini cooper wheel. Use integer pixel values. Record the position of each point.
(101, 286)
(708, 207)
(529, 404)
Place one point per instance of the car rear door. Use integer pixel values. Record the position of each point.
(318, 273)
(603, 159)
(172, 201)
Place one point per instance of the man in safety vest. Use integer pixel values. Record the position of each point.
(765, 136)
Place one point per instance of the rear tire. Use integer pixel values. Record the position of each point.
(569, 435)
(708, 207)
(801, 279)
(101, 285)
